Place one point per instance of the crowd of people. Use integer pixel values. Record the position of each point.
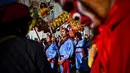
(68, 53)
(29, 45)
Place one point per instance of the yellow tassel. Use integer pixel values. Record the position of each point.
(32, 24)
(90, 62)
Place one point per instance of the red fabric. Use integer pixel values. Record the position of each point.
(83, 52)
(86, 20)
(66, 67)
(83, 19)
(113, 41)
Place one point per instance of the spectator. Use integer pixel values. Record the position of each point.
(19, 55)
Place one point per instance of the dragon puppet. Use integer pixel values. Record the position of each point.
(75, 15)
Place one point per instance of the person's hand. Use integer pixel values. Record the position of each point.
(49, 59)
(60, 62)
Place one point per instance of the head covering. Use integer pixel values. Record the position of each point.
(15, 11)
(14, 19)
(78, 34)
(63, 28)
(66, 26)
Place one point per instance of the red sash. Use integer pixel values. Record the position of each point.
(66, 67)
(83, 52)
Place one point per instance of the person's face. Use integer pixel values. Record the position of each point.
(86, 36)
(63, 33)
(103, 4)
(48, 39)
(97, 10)
(76, 38)
(71, 33)
(53, 39)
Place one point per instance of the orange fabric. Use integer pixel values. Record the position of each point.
(113, 41)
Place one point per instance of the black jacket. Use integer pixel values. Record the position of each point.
(18, 55)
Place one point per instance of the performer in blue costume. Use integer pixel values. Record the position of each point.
(86, 44)
(86, 50)
(51, 51)
(79, 51)
(65, 52)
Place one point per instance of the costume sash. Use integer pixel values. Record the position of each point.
(66, 67)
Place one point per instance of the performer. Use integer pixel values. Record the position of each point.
(79, 51)
(71, 33)
(86, 48)
(65, 52)
(86, 44)
(51, 51)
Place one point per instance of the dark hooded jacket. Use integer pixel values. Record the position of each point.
(17, 54)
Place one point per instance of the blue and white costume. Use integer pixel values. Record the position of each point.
(79, 53)
(86, 46)
(66, 51)
(51, 53)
